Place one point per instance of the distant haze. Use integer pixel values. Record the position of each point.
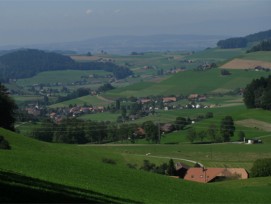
(28, 22)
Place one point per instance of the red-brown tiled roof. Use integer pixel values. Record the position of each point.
(205, 175)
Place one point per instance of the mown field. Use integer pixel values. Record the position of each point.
(79, 171)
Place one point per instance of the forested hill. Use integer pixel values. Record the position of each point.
(29, 62)
(241, 42)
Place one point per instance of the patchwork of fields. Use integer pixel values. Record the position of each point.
(250, 61)
(79, 173)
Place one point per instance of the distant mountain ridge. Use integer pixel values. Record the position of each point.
(128, 44)
(242, 42)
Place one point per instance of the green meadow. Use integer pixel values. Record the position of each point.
(100, 117)
(260, 55)
(63, 76)
(79, 171)
(216, 54)
(84, 100)
(188, 82)
(36, 171)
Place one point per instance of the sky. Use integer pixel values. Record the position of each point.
(25, 22)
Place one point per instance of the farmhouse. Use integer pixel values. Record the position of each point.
(145, 100)
(206, 175)
(167, 128)
(169, 99)
(193, 96)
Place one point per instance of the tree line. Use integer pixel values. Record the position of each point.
(263, 46)
(257, 94)
(75, 131)
(241, 42)
(214, 133)
(29, 62)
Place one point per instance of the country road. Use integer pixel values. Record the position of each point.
(163, 157)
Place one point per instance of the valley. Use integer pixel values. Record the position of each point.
(104, 128)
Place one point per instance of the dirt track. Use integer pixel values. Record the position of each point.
(245, 64)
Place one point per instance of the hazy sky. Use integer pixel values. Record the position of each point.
(41, 21)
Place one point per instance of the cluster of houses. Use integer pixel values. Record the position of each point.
(207, 175)
(194, 99)
(149, 105)
(57, 116)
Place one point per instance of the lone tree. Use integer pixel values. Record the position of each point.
(7, 109)
(171, 170)
(227, 128)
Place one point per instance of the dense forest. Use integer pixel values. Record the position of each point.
(263, 46)
(29, 62)
(241, 42)
(257, 94)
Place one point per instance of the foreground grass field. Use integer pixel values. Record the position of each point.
(80, 172)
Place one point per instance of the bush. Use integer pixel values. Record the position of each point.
(132, 166)
(108, 161)
(4, 143)
(209, 115)
(261, 168)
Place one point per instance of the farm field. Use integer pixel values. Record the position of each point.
(217, 54)
(81, 101)
(259, 56)
(100, 117)
(182, 83)
(250, 61)
(102, 182)
(63, 77)
(245, 64)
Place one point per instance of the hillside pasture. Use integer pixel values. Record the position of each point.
(84, 100)
(216, 54)
(106, 116)
(259, 56)
(81, 168)
(255, 123)
(189, 82)
(62, 77)
(239, 113)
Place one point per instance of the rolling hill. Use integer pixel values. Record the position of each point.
(189, 82)
(78, 173)
(242, 42)
(29, 62)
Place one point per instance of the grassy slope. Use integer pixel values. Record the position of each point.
(81, 167)
(261, 56)
(216, 54)
(189, 82)
(66, 76)
(88, 100)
